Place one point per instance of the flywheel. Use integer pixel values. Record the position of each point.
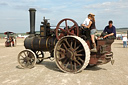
(66, 27)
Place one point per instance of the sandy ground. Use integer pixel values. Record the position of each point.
(47, 72)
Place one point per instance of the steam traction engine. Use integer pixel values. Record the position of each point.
(68, 44)
(10, 39)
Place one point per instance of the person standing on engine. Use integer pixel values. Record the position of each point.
(93, 30)
(86, 21)
(85, 30)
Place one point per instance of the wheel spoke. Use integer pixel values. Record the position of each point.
(81, 60)
(22, 62)
(75, 66)
(71, 65)
(65, 46)
(26, 65)
(71, 27)
(77, 62)
(79, 54)
(65, 61)
(25, 54)
(61, 49)
(22, 56)
(37, 52)
(66, 24)
(30, 63)
(28, 53)
(67, 65)
(70, 33)
(67, 42)
(62, 30)
(77, 47)
(32, 60)
(21, 59)
(61, 58)
(80, 50)
(74, 44)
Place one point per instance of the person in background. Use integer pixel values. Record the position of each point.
(110, 30)
(125, 41)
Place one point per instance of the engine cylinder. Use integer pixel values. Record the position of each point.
(40, 43)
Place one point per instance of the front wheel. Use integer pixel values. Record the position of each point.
(27, 58)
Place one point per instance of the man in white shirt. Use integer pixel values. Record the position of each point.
(86, 31)
(125, 41)
(86, 21)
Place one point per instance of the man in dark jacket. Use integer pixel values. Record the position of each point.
(110, 30)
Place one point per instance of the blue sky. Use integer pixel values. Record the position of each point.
(14, 15)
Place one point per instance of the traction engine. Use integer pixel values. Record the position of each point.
(68, 44)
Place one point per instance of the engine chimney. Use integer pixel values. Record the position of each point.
(32, 20)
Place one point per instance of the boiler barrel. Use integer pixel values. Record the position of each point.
(40, 43)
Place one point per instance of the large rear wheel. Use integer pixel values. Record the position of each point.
(71, 54)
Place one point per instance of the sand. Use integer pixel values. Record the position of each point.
(47, 73)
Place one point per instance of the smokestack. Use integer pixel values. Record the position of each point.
(32, 20)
